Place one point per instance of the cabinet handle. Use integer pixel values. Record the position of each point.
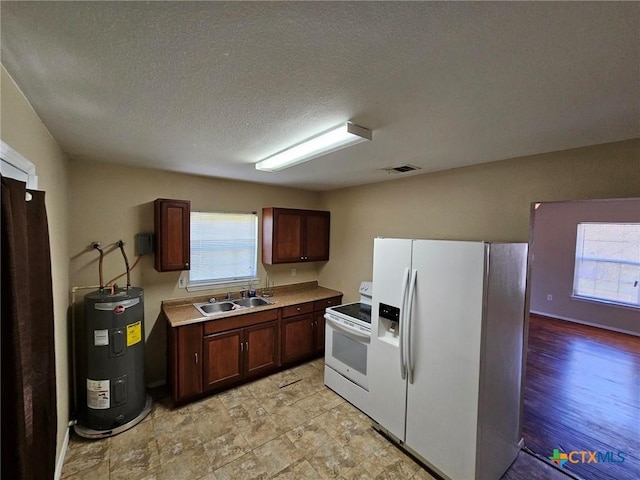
(196, 357)
(186, 265)
(247, 346)
(242, 346)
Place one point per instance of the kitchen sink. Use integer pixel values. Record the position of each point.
(207, 309)
(252, 302)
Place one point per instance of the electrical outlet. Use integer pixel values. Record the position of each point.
(549, 298)
(293, 272)
(182, 282)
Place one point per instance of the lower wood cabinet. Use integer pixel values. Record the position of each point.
(319, 334)
(222, 358)
(217, 354)
(185, 360)
(240, 353)
(298, 340)
(302, 333)
(261, 349)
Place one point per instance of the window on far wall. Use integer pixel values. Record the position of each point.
(608, 263)
(224, 248)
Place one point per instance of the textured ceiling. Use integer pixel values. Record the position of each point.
(212, 87)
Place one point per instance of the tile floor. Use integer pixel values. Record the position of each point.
(285, 426)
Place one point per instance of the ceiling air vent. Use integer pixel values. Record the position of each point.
(402, 169)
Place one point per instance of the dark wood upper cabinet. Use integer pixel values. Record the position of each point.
(290, 235)
(172, 226)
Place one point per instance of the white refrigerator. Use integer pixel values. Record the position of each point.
(445, 360)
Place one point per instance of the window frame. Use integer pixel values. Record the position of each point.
(580, 256)
(207, 284)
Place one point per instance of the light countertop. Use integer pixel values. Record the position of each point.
(180, 312)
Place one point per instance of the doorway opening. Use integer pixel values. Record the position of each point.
(581, 400)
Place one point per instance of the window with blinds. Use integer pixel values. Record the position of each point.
(224, 248)
(607, 265)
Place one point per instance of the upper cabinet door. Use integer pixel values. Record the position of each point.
(172, 225)
(316, 236)
(291, 235)
(287, 244)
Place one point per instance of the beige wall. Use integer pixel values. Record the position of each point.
(554, 246)
(111, 202)
(485, 202)
(21, 129)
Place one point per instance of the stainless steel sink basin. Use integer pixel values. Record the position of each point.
(252, 302)
(206, 308)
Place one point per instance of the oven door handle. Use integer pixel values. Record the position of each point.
(346, 330)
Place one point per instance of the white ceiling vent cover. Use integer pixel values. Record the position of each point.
(401, 169)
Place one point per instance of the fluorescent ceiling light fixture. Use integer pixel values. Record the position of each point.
(332, 140)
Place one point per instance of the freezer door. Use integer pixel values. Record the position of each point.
(391, 262)
(442, 401)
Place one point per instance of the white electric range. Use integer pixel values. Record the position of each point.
(347, 340)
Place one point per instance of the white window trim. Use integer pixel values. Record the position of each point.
(598, 300)
(17, 161)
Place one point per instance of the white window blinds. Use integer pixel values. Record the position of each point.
(224, 247)
(607, 264)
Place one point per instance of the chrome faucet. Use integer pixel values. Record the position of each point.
(243, 292)
(212, 300)
(228, 296)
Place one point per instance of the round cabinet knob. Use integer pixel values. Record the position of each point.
(298, 308)
(186, 265)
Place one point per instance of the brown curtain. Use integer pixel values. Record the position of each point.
(28, 391)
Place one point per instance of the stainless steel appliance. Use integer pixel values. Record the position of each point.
(347, 339)
(445, 358)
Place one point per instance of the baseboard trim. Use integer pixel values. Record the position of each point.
(61, 457)
(588, 324)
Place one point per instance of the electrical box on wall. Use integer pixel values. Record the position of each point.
(144, 243)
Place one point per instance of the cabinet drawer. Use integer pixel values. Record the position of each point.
(299, 309)
(240, 321)
(320, 305)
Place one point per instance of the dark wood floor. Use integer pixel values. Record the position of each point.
(582, 393)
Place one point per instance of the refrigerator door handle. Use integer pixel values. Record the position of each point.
(412, 290)
(401, 324)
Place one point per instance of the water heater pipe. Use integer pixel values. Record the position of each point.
(135, 264)
(126, 263)
(96, 245)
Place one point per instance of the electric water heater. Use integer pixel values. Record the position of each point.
(110, 363)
